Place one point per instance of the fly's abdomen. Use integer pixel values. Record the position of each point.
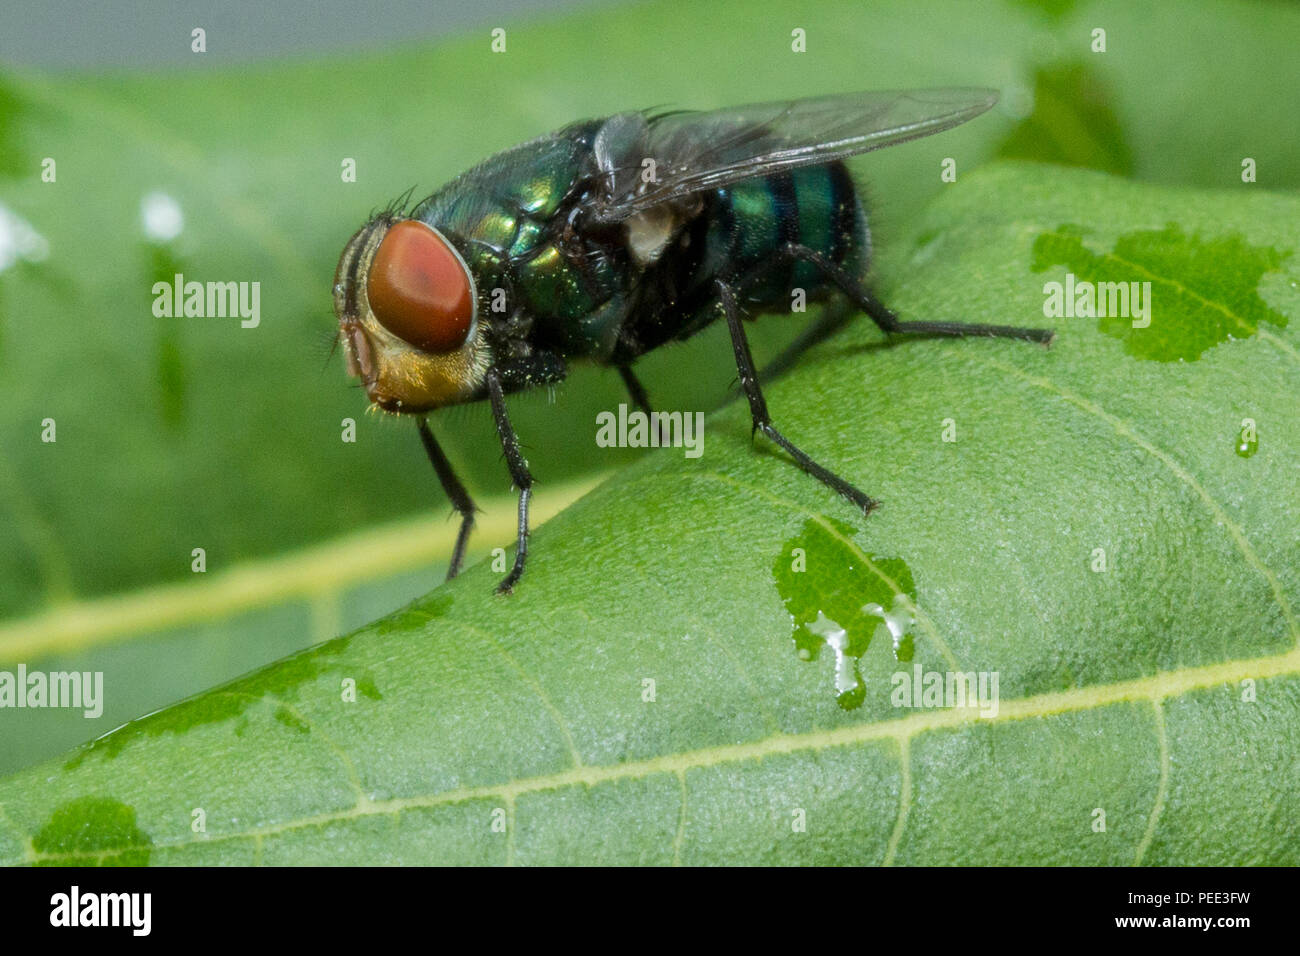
(814, 206)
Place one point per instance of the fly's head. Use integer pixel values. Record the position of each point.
(408, 316)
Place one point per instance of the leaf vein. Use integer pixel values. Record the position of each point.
(1162, 788)
(681, 822)
(1127, 431)
(904, 799)
(533, 683)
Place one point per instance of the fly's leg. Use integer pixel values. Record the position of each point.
(637, 392)
(460, 499)
(762, 421)
(519, 474)
(884, 317)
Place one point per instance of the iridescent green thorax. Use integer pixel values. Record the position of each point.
(508, 217)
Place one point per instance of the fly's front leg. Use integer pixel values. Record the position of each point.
(519, 474)
(762, 421)
(460, 499)
(888, 321)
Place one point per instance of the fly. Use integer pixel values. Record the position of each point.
(609, 238)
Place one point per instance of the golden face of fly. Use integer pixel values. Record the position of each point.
(408, 317)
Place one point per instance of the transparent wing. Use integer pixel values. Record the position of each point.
(693, 151)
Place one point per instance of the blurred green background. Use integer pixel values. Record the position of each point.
(175, 434)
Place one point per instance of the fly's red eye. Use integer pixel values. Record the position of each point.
(420, 290)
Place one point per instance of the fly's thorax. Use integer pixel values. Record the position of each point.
(408, 309)
(523, 244)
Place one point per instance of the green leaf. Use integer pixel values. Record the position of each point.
(1073, 123)
(192, 433)
(1091, 536)
(166, 415)
(158, 645)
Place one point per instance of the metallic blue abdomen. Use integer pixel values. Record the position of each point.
(816, 207)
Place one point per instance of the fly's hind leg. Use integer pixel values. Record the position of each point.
(762, 421)
(879, 313)
(888, 321)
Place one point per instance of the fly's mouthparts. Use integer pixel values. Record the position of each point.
(360, 361)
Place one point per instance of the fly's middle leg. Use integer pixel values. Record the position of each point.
(641, 400)
(762, 421)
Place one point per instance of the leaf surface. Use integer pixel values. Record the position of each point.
(655, 691)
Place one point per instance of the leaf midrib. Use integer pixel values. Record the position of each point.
(1152, 689)
(320, 570)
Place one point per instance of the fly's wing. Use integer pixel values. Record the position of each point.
(693, 152)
